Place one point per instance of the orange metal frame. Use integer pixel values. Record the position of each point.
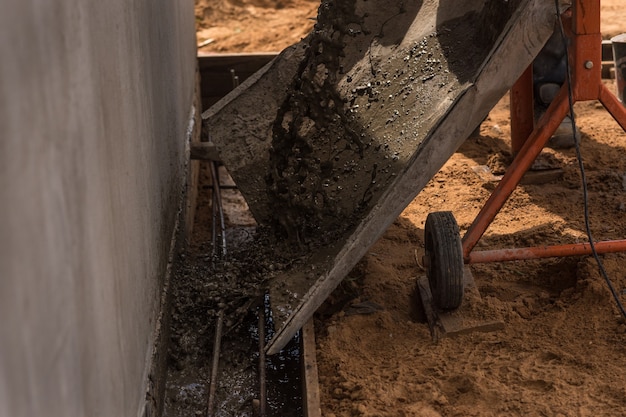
(528, 140)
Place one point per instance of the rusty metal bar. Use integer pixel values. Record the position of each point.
(218, 212)
(262, 373)
(214, 367)
(522, 111)
(547, 125)
(519, 254)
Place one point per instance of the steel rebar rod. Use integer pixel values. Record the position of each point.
(234, 78)
(262, 384)
(218, 211)
(214, 212)
(214, 367)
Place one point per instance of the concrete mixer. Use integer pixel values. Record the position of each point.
(330, 141)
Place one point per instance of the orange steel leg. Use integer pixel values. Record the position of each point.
(517, 254)
(522, 112)
(546, 126)
(586, 65)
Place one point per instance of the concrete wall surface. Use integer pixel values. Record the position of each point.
(95, 105)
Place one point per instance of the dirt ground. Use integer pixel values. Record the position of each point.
(561, 350)
(253, 25)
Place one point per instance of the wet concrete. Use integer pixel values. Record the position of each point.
(200, 289)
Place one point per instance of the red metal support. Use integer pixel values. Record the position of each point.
(586, 70)
(613, 106)
(546, 126)
(519, 254)
(522, 112)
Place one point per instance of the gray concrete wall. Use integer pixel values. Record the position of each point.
(95, 103)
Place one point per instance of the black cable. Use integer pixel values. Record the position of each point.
(582, 167)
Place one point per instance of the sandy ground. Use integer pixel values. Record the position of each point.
(253, 25)
(561, 350)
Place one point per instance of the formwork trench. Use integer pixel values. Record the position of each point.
(210, 287)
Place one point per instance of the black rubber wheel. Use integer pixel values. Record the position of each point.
(444, 260)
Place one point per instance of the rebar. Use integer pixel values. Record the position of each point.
(234, 78)
(218, 212)
(215, 364)
(262, 384)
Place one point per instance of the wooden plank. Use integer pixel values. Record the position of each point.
(461, 320)
(216, 76)
(240, 62)
(204, 151)
(456, 325)
(542, 176)
(310, 383)
(539, 176)
(426, 296)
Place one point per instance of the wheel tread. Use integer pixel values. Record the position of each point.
(445, 271)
